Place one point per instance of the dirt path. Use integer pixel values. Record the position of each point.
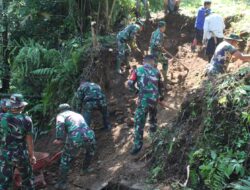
(113, 164)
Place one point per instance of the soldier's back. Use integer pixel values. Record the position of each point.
(148, 79)
(77, 128)
(14, 128)
(127, 33)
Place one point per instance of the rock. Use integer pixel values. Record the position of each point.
(138, 186)
(99, 162)
(163, 125)
(125, 182)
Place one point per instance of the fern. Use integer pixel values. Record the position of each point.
(243, 184)
(44, 71)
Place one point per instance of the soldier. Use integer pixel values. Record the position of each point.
(149, 90)
(127, 35)
(72, 127)
(91, 96)
(16, 151)
(157, 50)
(223, 54)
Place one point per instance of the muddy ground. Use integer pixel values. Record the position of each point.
(114, 167)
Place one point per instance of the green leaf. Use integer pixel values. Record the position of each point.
(223, 100)
(213, 155)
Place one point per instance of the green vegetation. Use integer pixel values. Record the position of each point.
(211, 134)
(224, 7)
(47, 46)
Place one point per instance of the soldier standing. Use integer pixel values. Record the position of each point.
(91, 97)
(157, 49)
(16, 151)
(72, 127)
(149, 90)
(124, 37)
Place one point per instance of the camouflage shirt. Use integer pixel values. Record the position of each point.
(90, 92)
(129, 33)
(13, 130)
(72, 125)
(148, 79)
(156, 41)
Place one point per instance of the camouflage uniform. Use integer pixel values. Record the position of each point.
(91, 96)
(78, 135)
(148, 80)
(156, 45)
(124, 37)
(13, 153)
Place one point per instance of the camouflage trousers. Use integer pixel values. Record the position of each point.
(9, 160)
(100, 105)
(141, 113)
(70, 152)
(160, 58)
(124, 51)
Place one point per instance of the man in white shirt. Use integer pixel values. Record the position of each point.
(213, 33)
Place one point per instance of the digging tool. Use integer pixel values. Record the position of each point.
(164, 105)
(168, 53)
(173, 57)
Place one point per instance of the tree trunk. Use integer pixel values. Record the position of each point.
(5, 52)
(110, 14)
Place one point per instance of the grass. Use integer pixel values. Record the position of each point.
(225, 8)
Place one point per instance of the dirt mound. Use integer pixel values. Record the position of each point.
(113, 165)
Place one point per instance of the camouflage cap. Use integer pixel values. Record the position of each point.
(161, 24)
(63, 107)
(17, 101)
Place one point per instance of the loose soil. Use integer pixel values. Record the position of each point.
(114, 167)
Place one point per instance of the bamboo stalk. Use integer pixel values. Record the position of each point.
(111, 13)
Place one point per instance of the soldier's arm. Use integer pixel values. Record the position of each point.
(241, 56)
(134, 33)
(60, 127)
